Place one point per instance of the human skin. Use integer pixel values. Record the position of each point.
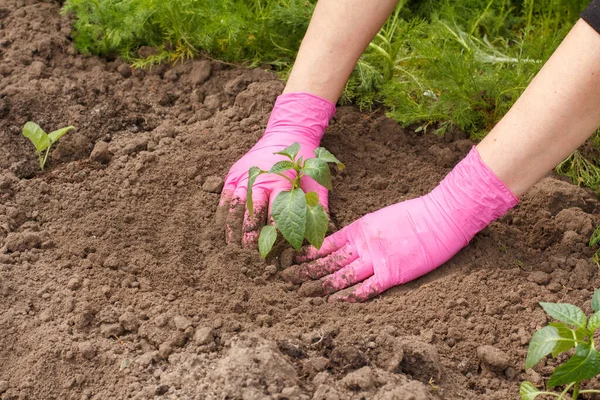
(338, 34)
(557, 112)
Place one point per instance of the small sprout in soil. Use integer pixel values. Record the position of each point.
(297, 215)
(573, 331)
(43, 141)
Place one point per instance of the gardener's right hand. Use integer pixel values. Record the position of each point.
(296, 117)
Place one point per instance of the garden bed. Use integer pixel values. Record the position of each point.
(115, 281)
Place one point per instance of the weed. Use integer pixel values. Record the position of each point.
(43, 141)
(580, 170)
(249, 31)
(297, 215)
(573, 331)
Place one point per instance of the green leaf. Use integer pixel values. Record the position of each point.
(594, 322)
(580, 333)
(544, 341)
(57, 134)
(312, 199)
(253, 173)
(290, 151)
(596, 300)
(289, 213)
(318, 170)
(38, 137)
(528, 391)
(316, 224)
(268, 235)
(584, 364)
(323, 154)
(281, 166)
(568, 340)
(567, 313)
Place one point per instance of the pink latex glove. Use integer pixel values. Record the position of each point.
(406, 240)
(296, 117)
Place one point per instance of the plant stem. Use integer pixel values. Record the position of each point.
(565, 391)
(45, 157)
(41, 160)
(576, 391)
(296, 182)
(589, 391)
(283, 176)
(550, 394)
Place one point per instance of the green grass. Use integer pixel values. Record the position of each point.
(247, 31)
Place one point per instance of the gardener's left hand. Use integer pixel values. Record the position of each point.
(296, 118)
(406, 240)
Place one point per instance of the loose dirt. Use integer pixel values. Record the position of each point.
(115, 281)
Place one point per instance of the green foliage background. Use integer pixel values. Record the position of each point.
(441, 64)
(438, 65)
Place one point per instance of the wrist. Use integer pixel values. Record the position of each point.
(300, 115)
(470, 197)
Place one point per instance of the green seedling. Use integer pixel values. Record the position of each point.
(573, 331)
(297, 215)
(43, 141)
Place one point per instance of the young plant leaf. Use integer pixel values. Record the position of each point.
(253, 173)
(312, 199)
(584, 364)
(566, 313)
(268, 235)
(594, 322)
(528, 391)
(316, 224)
(291, 151)
(38, 137)
(318, 170)
(323, 154)
(289, 213)
(281, 166)
(569, 338)
(543, 343)
(596, 301)
(57, 134)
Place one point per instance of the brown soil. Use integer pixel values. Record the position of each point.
(115, 281)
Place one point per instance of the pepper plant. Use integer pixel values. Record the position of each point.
(297, 215)
(43, 141)
(573, 330)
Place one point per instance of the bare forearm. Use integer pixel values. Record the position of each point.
(558, 111)
(338, 34)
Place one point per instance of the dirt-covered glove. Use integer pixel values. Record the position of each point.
(296, 117)
(406, 240)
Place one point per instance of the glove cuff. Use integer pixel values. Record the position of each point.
(472, 196)
(303, 115)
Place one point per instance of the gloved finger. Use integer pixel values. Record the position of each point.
(320, 267)
(308, 184)
(361, 292)
(225, 202)
(235, 217)
(252, 225)
(357, 271)
(330, 244)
